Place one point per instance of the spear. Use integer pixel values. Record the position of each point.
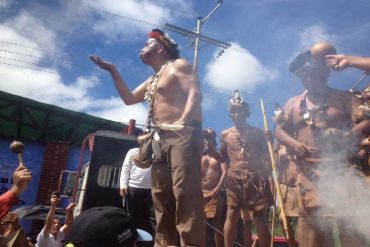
(275, 177)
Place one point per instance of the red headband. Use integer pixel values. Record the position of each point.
(155, 35)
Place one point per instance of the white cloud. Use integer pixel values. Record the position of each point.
(45, 83)
(237, 69)
(36, 32)
(4, 4)
(130, 18)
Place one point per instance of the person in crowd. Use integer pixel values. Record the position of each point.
(174, 97)
(213, 173)
(248, 178)
(105, 226)
(287, 170)
(11, 232)
(53, 233)
(135, 184)
(21, 178)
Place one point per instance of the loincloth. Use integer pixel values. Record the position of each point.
(290, 200)
(248, 190)
(213, 204)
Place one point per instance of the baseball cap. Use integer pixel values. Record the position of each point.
(105, 226)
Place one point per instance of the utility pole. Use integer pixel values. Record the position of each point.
(197, 36)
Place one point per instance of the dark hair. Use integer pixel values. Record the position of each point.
(168, 43)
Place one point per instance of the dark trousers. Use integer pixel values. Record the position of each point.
(140, 206)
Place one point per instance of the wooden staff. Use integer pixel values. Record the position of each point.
(273, 221)
(275, 177)
(273, 214)
(18, 147)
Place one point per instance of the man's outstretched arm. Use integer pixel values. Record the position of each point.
(54, 201)
(128, 97)
(341, 61)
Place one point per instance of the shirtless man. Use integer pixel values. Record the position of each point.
(247, 182)
(214, 173)
(318, 113)
(176, 175)
(287, 171)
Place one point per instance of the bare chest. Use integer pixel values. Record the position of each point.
(330, 114)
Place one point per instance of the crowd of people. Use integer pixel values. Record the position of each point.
(191, 186)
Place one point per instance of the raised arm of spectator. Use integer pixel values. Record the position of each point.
(341, 61)
(54, 201)
(21, 178)
(68, 219)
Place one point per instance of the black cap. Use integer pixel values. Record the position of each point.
(105, 226)
(300, 61)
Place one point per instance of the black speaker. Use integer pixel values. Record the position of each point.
(99, 185)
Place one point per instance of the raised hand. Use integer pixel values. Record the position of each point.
(102, 63)
(337, 62)
(21, 178)
(54, 200)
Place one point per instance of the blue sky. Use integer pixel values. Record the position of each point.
(44, 49)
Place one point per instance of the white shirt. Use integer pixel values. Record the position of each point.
(132, 175)
(50, 241)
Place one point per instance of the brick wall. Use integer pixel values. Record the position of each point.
(55, 161)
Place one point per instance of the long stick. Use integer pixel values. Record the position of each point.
(274, 209)
(275, 177)
(273, 220)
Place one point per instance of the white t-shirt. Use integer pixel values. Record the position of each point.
(133, 176)
(50, 241)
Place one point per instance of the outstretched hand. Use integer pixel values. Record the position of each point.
(102, 63)
(337, 62)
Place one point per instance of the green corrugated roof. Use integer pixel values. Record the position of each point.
(25, 118)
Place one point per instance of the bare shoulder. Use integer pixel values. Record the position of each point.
(293, 102)
(225, 133)
(182, 65)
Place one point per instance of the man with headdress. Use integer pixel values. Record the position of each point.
(213, 174)
(316, 130)
(248, 177)
(174, 97)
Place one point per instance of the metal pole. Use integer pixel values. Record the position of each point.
(196, 47)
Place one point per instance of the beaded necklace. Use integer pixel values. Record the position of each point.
(310, 115)
(151, 91)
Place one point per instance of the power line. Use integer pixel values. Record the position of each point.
(33, 48)
(125, 17)
(31, 68)
(176, 10)
(40, 57)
